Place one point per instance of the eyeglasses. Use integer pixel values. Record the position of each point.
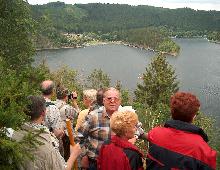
(110, 99)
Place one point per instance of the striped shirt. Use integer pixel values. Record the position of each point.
(94, 131)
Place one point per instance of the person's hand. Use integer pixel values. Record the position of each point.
(85, 162)
(132, 140)
(74, 95)
(76, 149)
(59, 133)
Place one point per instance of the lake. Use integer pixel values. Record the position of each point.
(197, 66)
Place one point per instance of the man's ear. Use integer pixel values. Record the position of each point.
(43, 113)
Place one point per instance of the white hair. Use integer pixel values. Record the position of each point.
(90, 94)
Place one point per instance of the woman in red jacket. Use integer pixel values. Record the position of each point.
(180, 145)
(119, 153)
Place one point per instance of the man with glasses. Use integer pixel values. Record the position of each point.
(96, 128)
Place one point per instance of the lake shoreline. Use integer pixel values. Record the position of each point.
(197, 66)
(106, 43)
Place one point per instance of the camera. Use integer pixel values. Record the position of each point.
(140, 131)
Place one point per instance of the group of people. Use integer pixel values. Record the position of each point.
(105, 133)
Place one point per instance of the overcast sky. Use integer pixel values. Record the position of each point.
(195, 4)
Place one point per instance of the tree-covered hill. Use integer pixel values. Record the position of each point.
(62, 16)
(55, 18)
(113, 17)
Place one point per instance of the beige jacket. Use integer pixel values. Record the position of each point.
(81, 118)
(46, 156)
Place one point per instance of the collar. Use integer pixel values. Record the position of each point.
(188, 127)
(35, 126)
(124, 144)
(47, 99)
(104, 113)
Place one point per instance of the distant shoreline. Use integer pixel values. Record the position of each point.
(111, 42)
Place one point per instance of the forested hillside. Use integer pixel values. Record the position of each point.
(113, 17)
(110, 17)
(53, 20)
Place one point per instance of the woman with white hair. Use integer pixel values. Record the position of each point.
(89, 97)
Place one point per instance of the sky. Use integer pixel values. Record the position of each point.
(194, 4)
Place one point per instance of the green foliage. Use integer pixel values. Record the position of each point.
(125, 95)
(98, 79)
(16, 34)
(214, 36)
(53, 19)
(116, 17)
(12, 101)
(152, 101)
(14, 90)
(67, 77)
(14, 154)
(209, 125)
(64, 17)
(18, 79)
(152, 117)
(153, 95)
(168, 46)
(159, 83)
(149, 38)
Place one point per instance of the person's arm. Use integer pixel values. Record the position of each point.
(84, 130)
(74, 153)
(74, 102)
(83, 133)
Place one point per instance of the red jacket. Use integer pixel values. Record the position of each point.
(119, 154)
(179, 145)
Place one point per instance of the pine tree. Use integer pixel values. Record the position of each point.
(159, 83)
(16, 30)
(18, 79)
(98, 79)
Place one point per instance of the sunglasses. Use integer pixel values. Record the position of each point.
(109, 99)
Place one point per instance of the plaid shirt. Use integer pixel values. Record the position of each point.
(94, 131)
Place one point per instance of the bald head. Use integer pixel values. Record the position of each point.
(47, 87)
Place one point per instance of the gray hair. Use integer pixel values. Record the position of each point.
(112, 89)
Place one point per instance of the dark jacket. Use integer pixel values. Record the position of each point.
(179, 146)
(119, 154)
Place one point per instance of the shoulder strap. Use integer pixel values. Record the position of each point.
(49, 103)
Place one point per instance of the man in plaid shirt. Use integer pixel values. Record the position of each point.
(96, 128)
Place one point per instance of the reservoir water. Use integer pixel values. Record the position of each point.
(197, 66)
